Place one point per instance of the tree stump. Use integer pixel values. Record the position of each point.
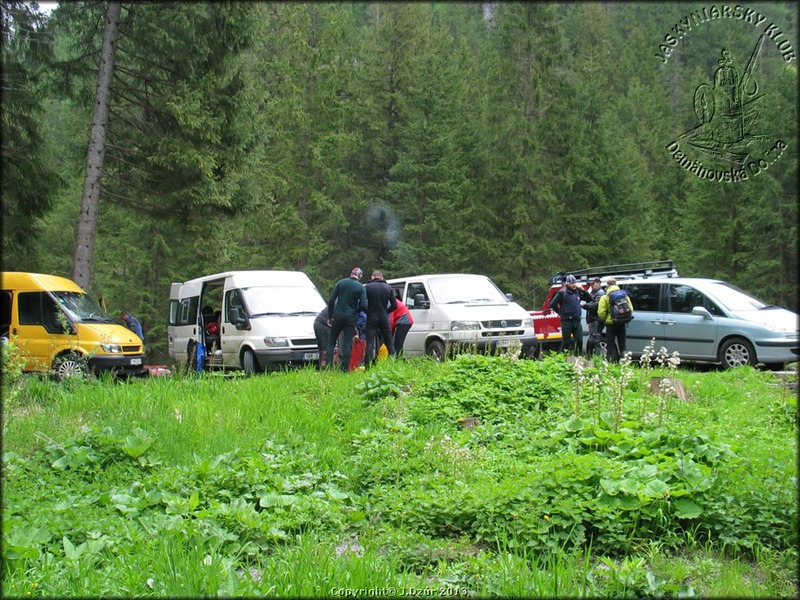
(580, 361)
(469, 422)
(677, 385)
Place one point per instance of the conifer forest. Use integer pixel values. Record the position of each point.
(146, 143)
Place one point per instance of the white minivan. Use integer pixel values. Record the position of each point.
(462, 311)
(250, 320)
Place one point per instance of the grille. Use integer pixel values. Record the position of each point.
(304, 342)
(502, 323)
(505, 333)
(131, 348)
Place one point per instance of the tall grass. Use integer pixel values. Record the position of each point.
(307, 483)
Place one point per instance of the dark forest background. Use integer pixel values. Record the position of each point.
(509, 139)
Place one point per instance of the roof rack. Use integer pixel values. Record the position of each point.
(660, 268)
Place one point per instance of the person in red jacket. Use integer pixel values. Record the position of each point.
(400, 321)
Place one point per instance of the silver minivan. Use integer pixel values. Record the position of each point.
(710, 320)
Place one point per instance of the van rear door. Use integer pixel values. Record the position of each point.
(184, 302)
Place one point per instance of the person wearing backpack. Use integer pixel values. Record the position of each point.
(616, 311)
(567, 303)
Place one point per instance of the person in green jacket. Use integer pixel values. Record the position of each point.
(616, 333)
(348, 297)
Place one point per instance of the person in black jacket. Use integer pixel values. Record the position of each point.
(594, 322)
(567, 303)
(380, 302)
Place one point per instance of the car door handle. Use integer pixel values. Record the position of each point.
(664, 322)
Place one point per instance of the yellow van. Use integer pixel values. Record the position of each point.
(59, 327)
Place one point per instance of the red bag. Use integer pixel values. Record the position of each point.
(357, 355)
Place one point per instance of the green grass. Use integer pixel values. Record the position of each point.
(311, 484)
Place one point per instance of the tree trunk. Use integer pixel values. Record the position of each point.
(83, 255)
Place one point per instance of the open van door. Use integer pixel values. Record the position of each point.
(184, 310)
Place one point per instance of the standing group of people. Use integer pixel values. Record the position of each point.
(386, 320)
(610, 309)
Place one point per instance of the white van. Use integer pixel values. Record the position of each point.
(461, 311)
(251, 320)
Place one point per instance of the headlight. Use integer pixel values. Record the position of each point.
(527, 323)
(465, 325)
(276, 342)
(787, 329)
(111, 348)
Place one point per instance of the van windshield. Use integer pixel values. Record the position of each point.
(81, 308)
(733, 298)
(289, 300)
(463, 290)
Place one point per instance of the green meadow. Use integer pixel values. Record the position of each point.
(481, 476)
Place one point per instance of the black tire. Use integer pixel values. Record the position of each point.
(436, 350)
(68, 366)
(737, 352)
(249, 362)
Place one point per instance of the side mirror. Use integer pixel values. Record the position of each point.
(510, 296)
(421, 302)
(702, 311)
(238, 319)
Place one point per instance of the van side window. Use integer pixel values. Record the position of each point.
(413, 290)
(233, 299)
(643, 295)
(38, 308)
(5, 313)
(683, 298)
(186, 311)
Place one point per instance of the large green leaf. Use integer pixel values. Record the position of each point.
(687, 509)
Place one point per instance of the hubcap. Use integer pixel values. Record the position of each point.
(70, 368)
(737, 355)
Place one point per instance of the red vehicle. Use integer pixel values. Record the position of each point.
(547, 324)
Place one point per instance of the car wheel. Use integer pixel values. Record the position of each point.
(68, 366)
(249, 362)
(436, 350)
(737, 352)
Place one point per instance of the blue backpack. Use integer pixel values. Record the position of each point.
(621, 312)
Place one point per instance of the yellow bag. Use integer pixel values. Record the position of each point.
(383, 352)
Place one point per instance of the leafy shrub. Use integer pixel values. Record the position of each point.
(491, 389)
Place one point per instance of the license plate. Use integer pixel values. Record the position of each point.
(310, 355)
(135, 362)
(504, 342)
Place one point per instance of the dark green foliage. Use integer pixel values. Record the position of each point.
(28, 179)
